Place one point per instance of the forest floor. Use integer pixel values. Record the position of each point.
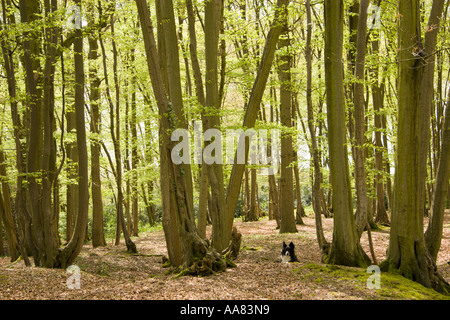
(112, 273)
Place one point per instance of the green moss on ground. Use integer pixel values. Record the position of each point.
(353, 281)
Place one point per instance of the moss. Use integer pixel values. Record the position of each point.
(399, 287)
(355, 280)
(103, 270)
(165, 262)
(319, 280)
(250, 248)
(3, 279)
(230, 264)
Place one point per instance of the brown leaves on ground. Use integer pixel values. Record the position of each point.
(112, 273)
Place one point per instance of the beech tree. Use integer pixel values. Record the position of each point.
(359, 117)
(345, 248)
(287, 153)
(231, 64)
(407, 252)
(38, 227)
(314, 148)
(15, 243)
(185, 247)
(98, 237)
(433, 234)
(253, 105)
(213, 18)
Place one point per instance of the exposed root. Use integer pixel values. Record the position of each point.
(235, 245)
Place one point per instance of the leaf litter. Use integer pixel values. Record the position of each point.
(110, 273)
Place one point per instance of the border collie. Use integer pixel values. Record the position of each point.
(288, 254)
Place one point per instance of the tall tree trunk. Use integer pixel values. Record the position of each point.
(286, 177)
(362, 205)
(254, 102)
(407, 253)
(377, 97)
(300, 210)
(114, 112)
(433, 235)
(41, 153)
(134, 154)
(252, 214)
(317, 175)
(28, 13)
(115, 135)
(98, 237)
(174, 81)
(6, 212)
(273, 190)
(22, 217)
(186, 249)
(426, 50)
(387, 163)
(72, 157)
(213, 18)
(14, 237)
(203, 203)
(345, 248)
(200, 93)
(68, 254)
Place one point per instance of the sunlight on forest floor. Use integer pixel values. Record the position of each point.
(112, 273)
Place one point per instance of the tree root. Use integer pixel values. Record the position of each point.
(206, 260)
(235, 245)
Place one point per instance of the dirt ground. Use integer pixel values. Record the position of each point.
(112, 273)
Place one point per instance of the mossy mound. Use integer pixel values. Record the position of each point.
(392, 286)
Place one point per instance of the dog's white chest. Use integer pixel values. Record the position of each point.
(285, 258)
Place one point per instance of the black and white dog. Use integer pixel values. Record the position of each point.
(288, 254)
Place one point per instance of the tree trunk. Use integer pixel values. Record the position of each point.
(203, 204)
(115, 135)
(314, 150)
(362, 204)
(254, 102)
(186, 249)
(30, 61)
(377, 97)
(200, 93)
(213, 18)
(345, 248)
(6, 212)
(300, 211)
(426, 50)
(387, 163)
(273, 190)
(98, 237)
(252, 214)
(134, 156)
(22, 218)
(114, 113)
(286, 177)
(41, 165)
(174, 82)
(14, 239)
(407, 253)
(68, 254)
(433, 235)
(72, 157)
